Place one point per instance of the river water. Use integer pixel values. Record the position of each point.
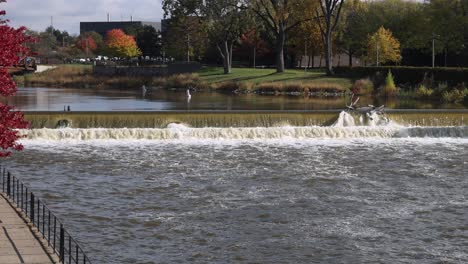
(381, 194)
(55, 99)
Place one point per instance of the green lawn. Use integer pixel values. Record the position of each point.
(257, 76)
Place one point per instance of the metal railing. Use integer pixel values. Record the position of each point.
(50, 227)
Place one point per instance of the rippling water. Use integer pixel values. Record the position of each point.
(257, 200)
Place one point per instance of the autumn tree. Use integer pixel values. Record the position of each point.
(226, 22)
(254, 44)
(12, 49)
(382, 47)
(306, 38)
(98, 39)
(186, 35)
(121, 45)
(86, 44)
(279, 17)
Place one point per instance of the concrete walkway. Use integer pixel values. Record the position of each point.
(17, 241)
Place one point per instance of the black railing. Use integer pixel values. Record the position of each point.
(50, 227)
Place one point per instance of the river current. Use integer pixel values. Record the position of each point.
(256, 195)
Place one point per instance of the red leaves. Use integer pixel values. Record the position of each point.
(87, 44)
(121, 44)
(12, 48)
(10, 121)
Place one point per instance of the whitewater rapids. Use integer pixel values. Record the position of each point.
(346, 127)
(183, 132)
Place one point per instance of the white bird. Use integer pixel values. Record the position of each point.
(189, 96)
(144, 90)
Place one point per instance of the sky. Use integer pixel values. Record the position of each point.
(67, 14)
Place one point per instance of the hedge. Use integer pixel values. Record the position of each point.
(408, 75)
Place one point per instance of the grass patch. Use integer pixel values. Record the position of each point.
(257, 76)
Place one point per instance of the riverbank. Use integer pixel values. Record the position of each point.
(241, 80)
(311, 83)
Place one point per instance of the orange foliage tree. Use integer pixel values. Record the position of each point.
(120, 44)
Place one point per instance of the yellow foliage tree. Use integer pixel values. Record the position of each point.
(383, 47)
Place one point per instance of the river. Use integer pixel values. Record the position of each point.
(55, 99)
(365, 194)
(371, 193)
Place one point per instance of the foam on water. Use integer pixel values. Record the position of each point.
(347, 126)
(182, 132)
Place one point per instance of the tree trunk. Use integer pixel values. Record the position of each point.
(226, 54)
(350, 52)
(329, 53)
(254, 57)
(188, 48)
(280, 50)
(445, 57)
(230, 58)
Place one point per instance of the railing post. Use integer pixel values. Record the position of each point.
(8, 184)
(2, 170)
(62, 244)
(31, 212)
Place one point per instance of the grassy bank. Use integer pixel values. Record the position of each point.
(241, 80)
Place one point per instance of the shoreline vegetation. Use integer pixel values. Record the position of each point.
(312, 83)
(242, 80)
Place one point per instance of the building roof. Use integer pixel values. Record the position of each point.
(102, 27)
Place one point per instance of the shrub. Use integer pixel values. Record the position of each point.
(389, 89)
(362, 87)
(423, 91)
(441, 88)
(454, 96)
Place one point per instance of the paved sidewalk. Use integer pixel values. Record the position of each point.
(17, 242)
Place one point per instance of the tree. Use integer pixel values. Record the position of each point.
(185, 38)
(149, 41)
(328, 15)
(12, 49)
(98, 39)
(448, 19)
(121, 45)
(353, 29)
(186, 35)
(383, 47)
(305, 39)
(279, 17)
(253, 44)
(226, 21)
(86, 44)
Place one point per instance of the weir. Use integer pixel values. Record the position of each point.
(200, 119)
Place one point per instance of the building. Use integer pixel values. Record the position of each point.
(103, 27)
